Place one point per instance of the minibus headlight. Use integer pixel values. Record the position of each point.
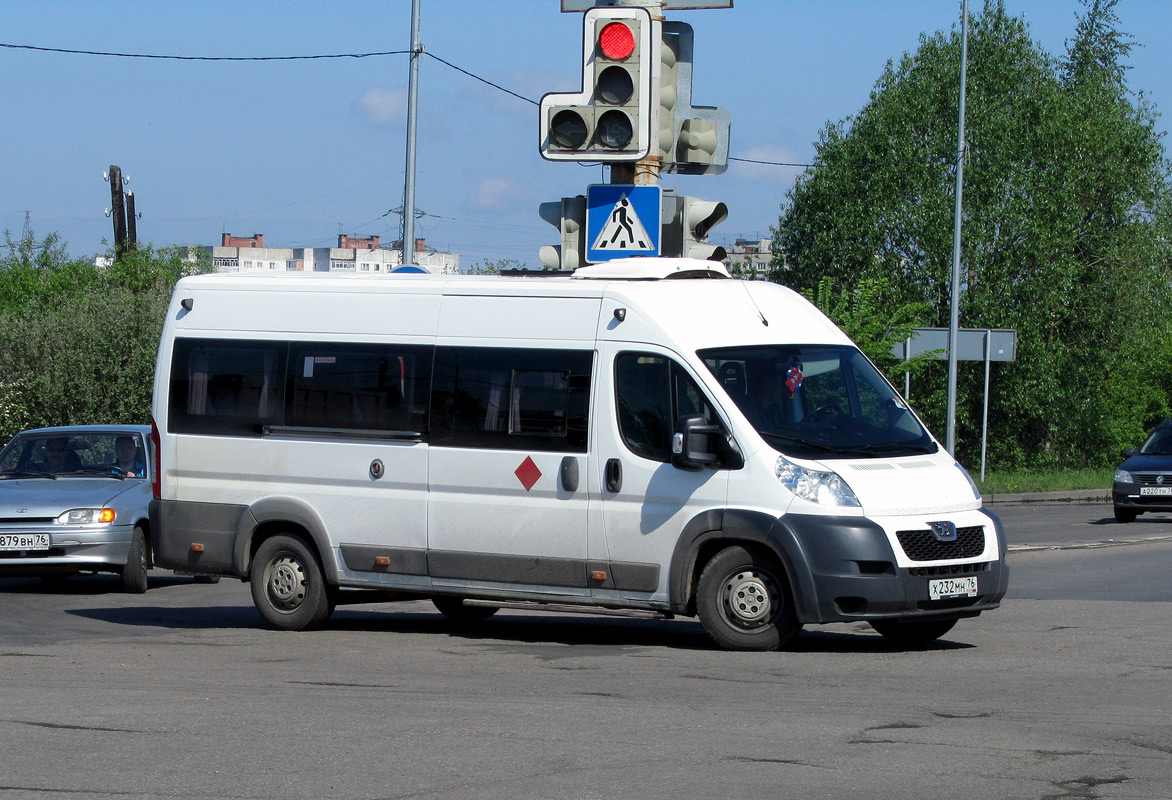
(815, 485)
(1123, 476)
(86, 516)
(969, 478)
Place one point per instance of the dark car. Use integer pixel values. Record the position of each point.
(1144, 481)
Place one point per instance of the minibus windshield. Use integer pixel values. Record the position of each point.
(818, 401)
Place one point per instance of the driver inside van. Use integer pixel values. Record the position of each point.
(767, 393)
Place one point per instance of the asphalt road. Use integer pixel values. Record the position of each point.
(1064, 692)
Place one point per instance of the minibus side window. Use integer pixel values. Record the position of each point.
(357, 386)
(652, 392)
(225, 387)
(511, 398)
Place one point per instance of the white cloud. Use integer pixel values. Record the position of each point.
(495, 193)
(383, 106)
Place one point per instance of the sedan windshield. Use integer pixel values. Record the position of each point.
(1159, 443)
(50, 454)
(818, 401)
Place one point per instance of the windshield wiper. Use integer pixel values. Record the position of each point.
(798, 441)
(24, 473)
(101, 472)
(879, 448)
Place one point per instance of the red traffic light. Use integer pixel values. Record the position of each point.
(616, 41)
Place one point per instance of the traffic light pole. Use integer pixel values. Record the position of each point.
(644, 172)
(408, 243)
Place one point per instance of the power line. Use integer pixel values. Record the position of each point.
(160, 56)
(445, 62)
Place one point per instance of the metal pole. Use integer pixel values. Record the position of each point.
(412, 120)
(907, 376)
(954, 318)
(985, 415)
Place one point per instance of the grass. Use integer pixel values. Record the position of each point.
(1044, 481)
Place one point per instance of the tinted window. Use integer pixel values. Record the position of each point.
(652, 392)
(361, 387)
(237, 388)
(513, 399)
(225, 387)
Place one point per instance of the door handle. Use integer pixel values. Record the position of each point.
(614, 475)
(569, 473)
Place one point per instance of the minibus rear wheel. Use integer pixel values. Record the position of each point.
(288, 587)
(744, 601)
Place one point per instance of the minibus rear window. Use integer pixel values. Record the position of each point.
(226, 387)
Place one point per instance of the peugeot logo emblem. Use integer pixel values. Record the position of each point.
(945, 531)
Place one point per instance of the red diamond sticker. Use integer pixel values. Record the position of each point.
(527, 473)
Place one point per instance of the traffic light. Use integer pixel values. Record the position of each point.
(697, 217)
(669, 58)
(686, 223)
(698, 134)
(568, 215)
(610, 119)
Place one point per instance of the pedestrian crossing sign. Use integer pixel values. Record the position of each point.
(621, 221)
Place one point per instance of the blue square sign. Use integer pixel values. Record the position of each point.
(621, 221)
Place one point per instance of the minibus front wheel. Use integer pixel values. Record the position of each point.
(744, 601)
(288, 587)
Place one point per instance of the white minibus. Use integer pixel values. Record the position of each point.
(644, 434)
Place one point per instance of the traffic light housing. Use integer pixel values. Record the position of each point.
(687, 221)
(610, 119)
(568, 215)
(695, 141)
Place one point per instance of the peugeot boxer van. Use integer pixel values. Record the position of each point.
(644, 434)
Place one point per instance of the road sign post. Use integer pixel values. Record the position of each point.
(972, 344)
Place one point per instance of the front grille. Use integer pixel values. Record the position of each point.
(25, 521)
(1152, 479)
(949, 570)
(924, 546)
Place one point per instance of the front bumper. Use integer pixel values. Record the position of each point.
(72, 548)
(848, 571)
(1127, 496)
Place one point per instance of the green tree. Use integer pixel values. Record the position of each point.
(1066, 209)
(79, 340)
(872, 316)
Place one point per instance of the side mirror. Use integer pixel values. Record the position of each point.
(691, 444)
(1129, 452)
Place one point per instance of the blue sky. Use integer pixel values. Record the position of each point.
(304, 150)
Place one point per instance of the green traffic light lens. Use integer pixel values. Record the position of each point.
(615, 130)
(567, 129)
(615, 86)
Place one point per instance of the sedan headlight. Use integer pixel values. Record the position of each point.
(1123, 476)
(86, 516)
(815, 485)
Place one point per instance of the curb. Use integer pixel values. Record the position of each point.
(1031, 498)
